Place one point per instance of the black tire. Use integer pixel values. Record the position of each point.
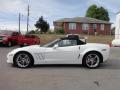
(21, 63)
(93, 58)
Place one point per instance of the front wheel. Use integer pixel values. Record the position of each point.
(23, 60)
(92, 60)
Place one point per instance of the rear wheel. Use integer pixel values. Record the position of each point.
(23, 60)
(92, 60)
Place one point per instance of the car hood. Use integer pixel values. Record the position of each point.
(28, 49)
(3, 35)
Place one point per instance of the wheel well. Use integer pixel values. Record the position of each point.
(101, 60)
(23, 52)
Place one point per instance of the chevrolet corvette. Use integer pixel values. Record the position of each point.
(67, 50)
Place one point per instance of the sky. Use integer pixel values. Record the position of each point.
(50, 9)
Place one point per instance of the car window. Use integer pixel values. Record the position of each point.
(15, 34)
(64, 43)
(51, 44)
(80, 42)
(9, 33)
(30, 36)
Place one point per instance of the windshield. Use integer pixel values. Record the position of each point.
(9, 33)
(51, 44)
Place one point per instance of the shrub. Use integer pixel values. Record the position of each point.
(50, 32)
(59, 31)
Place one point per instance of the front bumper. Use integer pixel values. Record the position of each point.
(3, 42)
(10, 58)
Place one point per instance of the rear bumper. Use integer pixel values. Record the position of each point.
(105, 57)
(106, 54)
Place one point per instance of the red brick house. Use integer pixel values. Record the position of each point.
(83, 25)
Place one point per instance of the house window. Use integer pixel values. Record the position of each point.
(102, 27)
(72, 26)
(85, 26)
(94, 26)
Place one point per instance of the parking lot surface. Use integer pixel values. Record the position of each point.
(60, 77)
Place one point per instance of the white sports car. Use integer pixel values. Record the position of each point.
(66, 50)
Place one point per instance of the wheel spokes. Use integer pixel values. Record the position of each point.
(92, 60)
(23, 60)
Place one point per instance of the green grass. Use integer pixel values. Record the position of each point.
(45, 38)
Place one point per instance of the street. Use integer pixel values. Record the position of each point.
(60, 77)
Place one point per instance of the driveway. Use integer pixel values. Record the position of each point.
(62, 77)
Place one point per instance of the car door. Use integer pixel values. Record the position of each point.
(14, 37)
(67, 51)
(30, 40)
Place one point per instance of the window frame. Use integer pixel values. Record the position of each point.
(102, 27)
(94, 26)
(85, 26)
(72, 26)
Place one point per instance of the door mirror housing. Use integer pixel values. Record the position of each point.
(55, 46)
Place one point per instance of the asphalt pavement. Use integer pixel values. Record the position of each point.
(62, 77)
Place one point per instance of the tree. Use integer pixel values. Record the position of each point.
(113, 31)
(98, 13)
(42, 25)
(91, 12)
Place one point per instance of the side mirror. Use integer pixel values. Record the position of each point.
(55, 46)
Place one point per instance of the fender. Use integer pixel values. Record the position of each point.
(89, 50)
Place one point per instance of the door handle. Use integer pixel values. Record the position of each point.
(79, 48)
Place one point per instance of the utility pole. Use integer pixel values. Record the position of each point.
(19, 22)
(28, 18)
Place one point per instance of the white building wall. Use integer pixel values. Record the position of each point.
(117, 30)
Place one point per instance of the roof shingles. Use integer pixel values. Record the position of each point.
(82, 20)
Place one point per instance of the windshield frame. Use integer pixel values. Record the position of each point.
(51, 43)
